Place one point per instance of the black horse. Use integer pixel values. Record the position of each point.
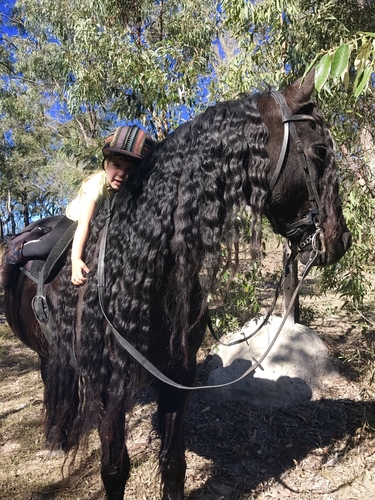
(270, 151)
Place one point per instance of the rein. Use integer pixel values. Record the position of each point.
(315, 240)
(140, 358)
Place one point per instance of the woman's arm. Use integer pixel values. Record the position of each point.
(79, 242)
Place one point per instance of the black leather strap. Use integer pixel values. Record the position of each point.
(296, 228)
(287, 119)
(139, 357)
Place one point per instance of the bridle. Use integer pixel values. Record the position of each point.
(308, 228)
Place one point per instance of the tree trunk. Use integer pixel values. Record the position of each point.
(25, 208)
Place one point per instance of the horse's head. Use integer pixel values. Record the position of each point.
(303, 205)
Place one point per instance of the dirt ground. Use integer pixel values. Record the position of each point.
(323, 449)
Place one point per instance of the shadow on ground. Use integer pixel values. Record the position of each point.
(247, 445)
(17, 364)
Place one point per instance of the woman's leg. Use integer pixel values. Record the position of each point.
(40, 248)
(34, 249)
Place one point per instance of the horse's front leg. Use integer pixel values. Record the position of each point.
(172, 404)
(115, 466)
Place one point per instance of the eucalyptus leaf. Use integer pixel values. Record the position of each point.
(363, 81)
(340, 61)
(322, 72)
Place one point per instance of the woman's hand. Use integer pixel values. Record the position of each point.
(79, 241)
(78, 267)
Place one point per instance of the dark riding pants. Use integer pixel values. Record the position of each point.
(40, 248)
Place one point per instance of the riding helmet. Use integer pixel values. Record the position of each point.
(128, 142)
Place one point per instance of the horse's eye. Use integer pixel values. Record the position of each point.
(321, 151)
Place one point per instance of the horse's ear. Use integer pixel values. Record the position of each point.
(299, 93)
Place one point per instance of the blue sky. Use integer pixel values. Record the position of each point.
(5, 12)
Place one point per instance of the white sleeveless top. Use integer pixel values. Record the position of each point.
(95, 187)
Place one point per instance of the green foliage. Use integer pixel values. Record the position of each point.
(308, 315)
(336, 64)
(137, 60)
(350, 276)
(275, 40)
(237, 299)
(34, 182)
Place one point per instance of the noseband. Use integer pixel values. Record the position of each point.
(310, 223)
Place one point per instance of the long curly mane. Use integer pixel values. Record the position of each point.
(179, 208)
(169, 223)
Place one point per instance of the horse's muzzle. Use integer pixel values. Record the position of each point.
(333, 252)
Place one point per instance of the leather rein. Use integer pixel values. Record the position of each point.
(315, 240)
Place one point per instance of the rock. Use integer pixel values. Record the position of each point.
(294, 370)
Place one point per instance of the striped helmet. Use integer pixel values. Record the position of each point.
(129, 142)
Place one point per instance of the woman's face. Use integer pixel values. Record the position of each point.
(117, 170)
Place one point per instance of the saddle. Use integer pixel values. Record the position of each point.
(49, 268)
(42, 272)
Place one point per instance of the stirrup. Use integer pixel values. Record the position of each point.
(40, 309)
